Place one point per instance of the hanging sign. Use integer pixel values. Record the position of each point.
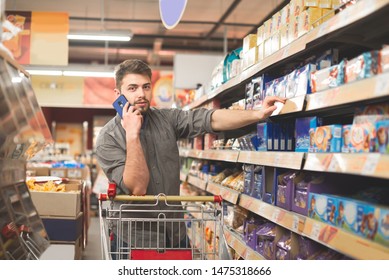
(171, 12)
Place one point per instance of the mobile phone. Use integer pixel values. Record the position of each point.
(119, 103)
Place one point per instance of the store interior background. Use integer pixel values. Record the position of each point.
(77, 107)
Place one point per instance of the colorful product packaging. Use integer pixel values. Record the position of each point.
(298, 82)
(322, 207)
(261, 135)
(327, 78)
(346, 136)
(326, 139)
(303, 125)
(382, 137)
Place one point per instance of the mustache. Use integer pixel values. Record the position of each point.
(141, 101)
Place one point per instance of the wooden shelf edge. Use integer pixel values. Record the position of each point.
(227, 194)
(291, 160)
(367, 89)
(367, 164)
(240, 246)
(344, 242)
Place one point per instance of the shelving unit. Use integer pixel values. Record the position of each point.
(356, 24)
(24, 132)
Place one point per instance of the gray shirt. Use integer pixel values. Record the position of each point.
(159, 134)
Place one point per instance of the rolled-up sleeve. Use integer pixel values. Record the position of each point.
(112, 159)
(193, 123)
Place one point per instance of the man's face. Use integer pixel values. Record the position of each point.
(137, 89)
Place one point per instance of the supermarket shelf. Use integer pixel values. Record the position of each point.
(183, 176)
(227, 194)
(375, 87)
(197, 182)
(291, 160)
(344, 242)
(224, 155)
(196, 103)
(293, 221)
(348, 16)
(236, 243)
(343, 19)
(373, 164)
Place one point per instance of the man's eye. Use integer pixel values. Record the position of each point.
(148, 87)
(132, 88)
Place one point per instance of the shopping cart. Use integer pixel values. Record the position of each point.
(161, 227)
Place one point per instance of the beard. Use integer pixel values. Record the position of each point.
(142, 105)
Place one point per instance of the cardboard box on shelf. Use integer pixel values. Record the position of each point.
(63, 228)
(59, 204)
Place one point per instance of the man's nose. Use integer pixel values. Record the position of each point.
(141, 92)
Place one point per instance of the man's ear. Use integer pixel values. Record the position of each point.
(116, 91)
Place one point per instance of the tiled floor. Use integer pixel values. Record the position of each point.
(93, 248)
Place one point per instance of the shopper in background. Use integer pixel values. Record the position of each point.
(139, 152)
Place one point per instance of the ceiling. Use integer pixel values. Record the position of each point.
(207, 26)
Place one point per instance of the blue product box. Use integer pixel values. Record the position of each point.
(249, 96)
(257, 188)
(322, 207)
(290, 141)
(383, 227)
(302, 126)
(382, 137)
(280, 86)
(261, 135)
(283, 137)
(299, 82)
(276, 136)
(63, 228)
(269, 136)
(330, 77)
(269, 89)
(350, 214)
(248, 174)
(346, 134)
(327, 139)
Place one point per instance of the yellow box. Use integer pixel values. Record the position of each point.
(311, 3)
(308, 19)
(296, 7)
(61, 204)
(326, 14)
(250, 41)
(327, 4)
(260, 33)
(336, 4)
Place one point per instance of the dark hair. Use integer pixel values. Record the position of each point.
(130, 66)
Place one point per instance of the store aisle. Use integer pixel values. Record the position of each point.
(93, 248)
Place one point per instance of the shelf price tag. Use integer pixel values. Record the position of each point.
(276, 215)
(315, 231)
(295, 223)
(371, 163)
(381, 85)
(334, 164)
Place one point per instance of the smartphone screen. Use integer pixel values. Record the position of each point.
(119, 103)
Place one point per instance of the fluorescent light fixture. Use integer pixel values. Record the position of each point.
(109, 35)
(71, 71)
(44, 72)
(88, 74)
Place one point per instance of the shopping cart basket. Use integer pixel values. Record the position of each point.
(161, 227)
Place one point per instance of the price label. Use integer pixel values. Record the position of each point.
(382, 85)
(276, 215)
(295, 223)
(315, 231)
(371, 163)
(334, 164)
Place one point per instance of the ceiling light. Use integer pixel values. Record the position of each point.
(88, 74)
(121, 36)
(71, 71)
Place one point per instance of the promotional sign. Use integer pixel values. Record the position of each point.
(171, 12)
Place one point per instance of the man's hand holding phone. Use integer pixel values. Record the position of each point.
(131, 118)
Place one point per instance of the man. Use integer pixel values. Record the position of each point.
(139, 152)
